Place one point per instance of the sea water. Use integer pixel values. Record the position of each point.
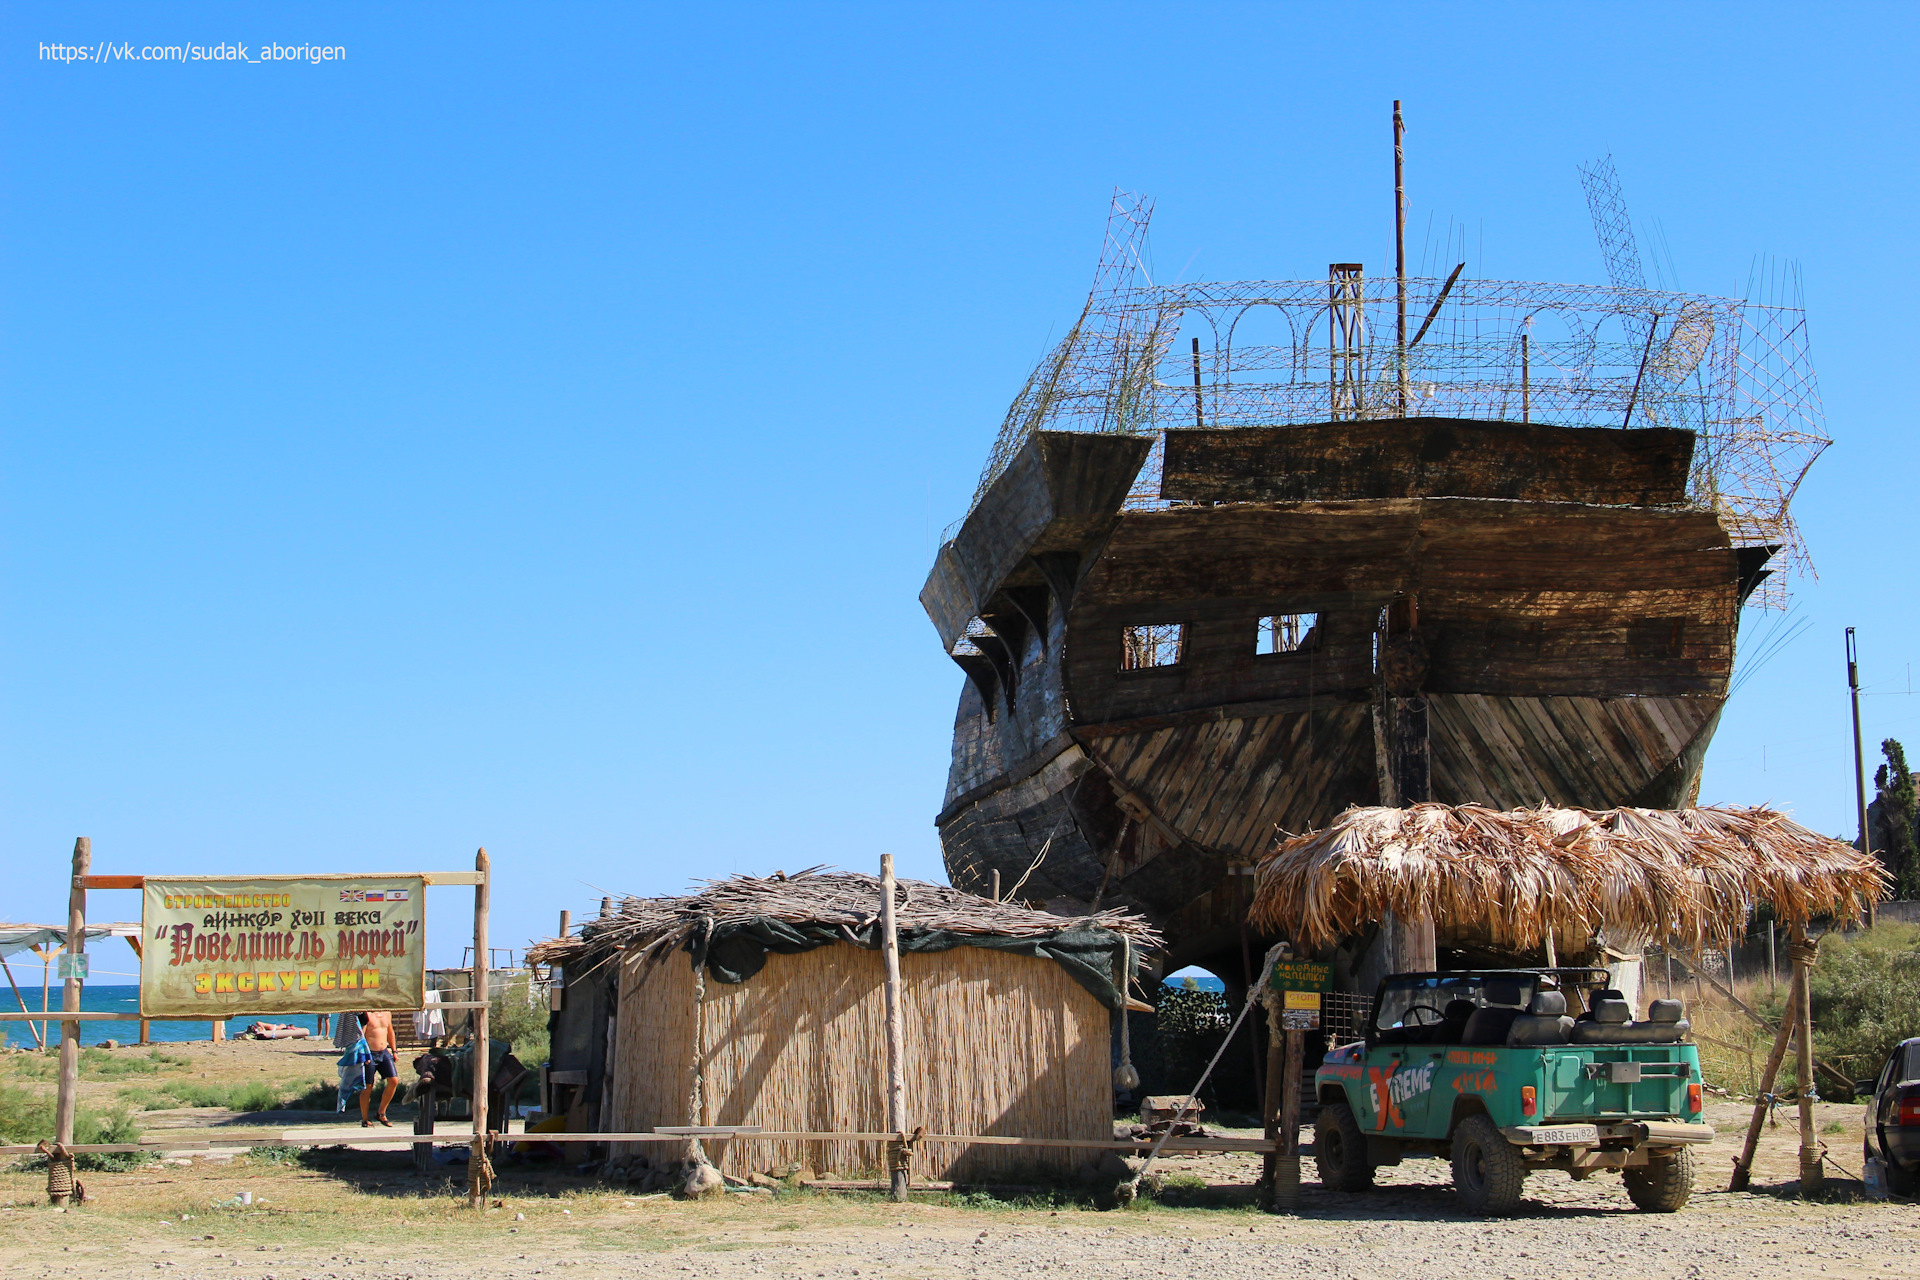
(106, 999)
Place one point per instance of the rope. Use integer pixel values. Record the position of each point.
(1038, 858)
(1194, 1095)
(900, 1150)
(480, 1168)
(696, 1095)
(61, 1184)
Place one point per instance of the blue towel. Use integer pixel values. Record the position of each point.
(353, 1072)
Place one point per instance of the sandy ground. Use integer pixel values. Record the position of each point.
(364, 1215)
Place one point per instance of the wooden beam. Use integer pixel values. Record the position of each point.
(359, 1137)
(115, 882)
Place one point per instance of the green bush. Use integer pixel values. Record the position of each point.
(276, 1153)
(1863, 996)
(27, 1117)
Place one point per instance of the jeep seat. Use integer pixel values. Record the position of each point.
(1489, 1025)
(1608, 1018)
(1544, 1022)
(1663, 1025)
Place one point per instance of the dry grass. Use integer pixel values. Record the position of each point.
(1692, 875)
(996, 1043)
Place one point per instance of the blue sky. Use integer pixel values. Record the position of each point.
(533, 430)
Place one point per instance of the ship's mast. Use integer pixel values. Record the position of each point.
(1400, 246)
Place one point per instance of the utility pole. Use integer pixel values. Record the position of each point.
(1400, 245)
(1859, 758)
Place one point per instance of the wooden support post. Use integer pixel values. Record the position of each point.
(146, 1031)
(1743, 1164)
(1802, 951)
(1286, 1187)
(1276, 1085)
(479, 1172)
(67, 1100)
(1253, 1028)
(896, 1036)
(219, 1030)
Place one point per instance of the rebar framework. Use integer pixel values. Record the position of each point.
(1735, 372)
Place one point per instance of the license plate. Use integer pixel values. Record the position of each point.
(1566, 1133)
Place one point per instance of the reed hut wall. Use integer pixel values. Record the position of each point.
(996, 1043)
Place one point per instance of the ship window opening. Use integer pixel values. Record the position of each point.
(1156, 644)
(1287, 632)
(1656, 637)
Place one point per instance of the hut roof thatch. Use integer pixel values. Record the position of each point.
(847, 900)
(1688, 874)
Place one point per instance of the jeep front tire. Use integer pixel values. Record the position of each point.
(1340, 1149)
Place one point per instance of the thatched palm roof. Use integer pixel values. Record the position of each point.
(1686, 874)
(844, 899)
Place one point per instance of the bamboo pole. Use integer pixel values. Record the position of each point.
(46, 977)
(1811, 1175)
(68, 1097)
(1743, 1164)
(479, 1174)
(896, 1035)
(38, 1039)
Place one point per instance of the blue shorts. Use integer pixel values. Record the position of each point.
(381, 1065)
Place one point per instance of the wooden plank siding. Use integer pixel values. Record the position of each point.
(1428, 457)
(1587, 752)
(1569, 626)
(1514, 598)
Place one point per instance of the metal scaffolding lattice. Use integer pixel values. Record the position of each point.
(1734, 371)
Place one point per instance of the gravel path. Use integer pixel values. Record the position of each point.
(1408, 1228)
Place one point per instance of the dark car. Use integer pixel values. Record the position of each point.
(1893, 1118)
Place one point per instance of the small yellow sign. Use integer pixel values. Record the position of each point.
(282, 944)
(1301, 1000)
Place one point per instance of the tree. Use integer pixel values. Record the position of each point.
(1894, 781)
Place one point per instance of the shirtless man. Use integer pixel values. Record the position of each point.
(377, 1028)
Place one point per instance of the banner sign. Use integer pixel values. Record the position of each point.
(1300, 975)
(282, 944)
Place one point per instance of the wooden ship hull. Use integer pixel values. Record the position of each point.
(1500, 613)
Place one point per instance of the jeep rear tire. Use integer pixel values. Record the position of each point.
(1663, 1184)
(1488, 1173)
(1340, 1149)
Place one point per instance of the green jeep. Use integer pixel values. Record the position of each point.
(1488, 1068)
